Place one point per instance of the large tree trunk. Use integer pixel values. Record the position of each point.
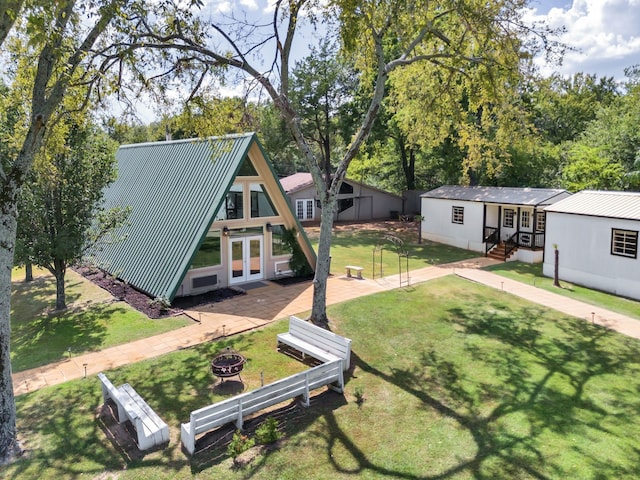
(61, 298)
(323, 264)
(28, 272)
(9, 447)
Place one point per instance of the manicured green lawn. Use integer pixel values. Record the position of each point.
(459, 381)
(365, 248)
(92, 322)
(532, 275)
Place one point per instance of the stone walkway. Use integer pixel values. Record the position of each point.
(262, 306)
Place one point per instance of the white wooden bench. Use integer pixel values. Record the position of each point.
(236, 408)
(150, 428)
(317, 342)
(358, 271)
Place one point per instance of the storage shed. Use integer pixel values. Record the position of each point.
(356, 201)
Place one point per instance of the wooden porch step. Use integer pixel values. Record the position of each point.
(498, 251)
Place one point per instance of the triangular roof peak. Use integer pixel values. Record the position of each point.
(174, 189)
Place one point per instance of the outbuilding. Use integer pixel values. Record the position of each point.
(596, 234)
(356, 201)
(205, 214)
(507, 223)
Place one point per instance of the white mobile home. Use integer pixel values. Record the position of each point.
(503, 222)
(596, 233)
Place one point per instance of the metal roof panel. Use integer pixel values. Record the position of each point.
(506, 195)
(600, 203)
(174, 189)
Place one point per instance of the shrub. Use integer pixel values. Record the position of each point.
(268, 432)
(239, 443)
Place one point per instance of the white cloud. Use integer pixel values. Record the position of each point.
(605, 34)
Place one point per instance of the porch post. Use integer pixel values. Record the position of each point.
(484, 221)
(518, 228)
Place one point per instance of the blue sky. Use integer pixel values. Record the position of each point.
(604, 33)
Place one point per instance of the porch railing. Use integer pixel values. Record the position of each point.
(531, 240)
(491, 238)
(510, 245)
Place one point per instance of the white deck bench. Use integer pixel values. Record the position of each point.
(358, 271)
(236, 408)
(317, 342)
(151, 430)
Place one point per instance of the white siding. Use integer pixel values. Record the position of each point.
(584, 245)
(438, 226)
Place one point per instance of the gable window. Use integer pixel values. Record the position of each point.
(232, 206)
(305, 209)
(346, 189)
(525, 220)
(457, 214)
(540, 221)
(624, 243)
(344, 204)
(508, 217)
(247, 169)
(209, 252)
(261, 204)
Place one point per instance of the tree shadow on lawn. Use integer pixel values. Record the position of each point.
(47, 338)
(37, 296)
(521, 378)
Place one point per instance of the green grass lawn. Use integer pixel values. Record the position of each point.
(40, 335)
(532, 274)
(459, 381)
(358, 247)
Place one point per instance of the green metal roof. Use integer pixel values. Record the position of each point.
(174, 189)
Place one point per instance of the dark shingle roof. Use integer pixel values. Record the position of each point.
(174, 189)
(506, 195)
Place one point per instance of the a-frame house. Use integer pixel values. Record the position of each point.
(205, 214)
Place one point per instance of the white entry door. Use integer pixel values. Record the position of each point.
(245, 259)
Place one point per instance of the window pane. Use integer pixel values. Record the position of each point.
(261, 205)
(232, 207)
(209, 253)
(525, 219)
(457, 214)
(508, 218)
(247, 169)
(278, 247)
(624, 243)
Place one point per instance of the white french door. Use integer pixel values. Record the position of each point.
(245, 259)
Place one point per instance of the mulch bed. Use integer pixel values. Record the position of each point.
(145, 304)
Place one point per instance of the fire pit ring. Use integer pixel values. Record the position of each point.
(228, 363)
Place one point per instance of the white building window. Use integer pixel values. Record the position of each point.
(305, 209)
(508, 217)
(540, 221)
(457, 214)
(525, 220)
(624, 243)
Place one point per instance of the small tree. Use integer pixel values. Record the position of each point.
(62, 197)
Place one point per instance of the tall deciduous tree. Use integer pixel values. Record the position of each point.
(473, 46)
(62, 198)
(60, 36)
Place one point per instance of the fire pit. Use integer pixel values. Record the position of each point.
(228, 363)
